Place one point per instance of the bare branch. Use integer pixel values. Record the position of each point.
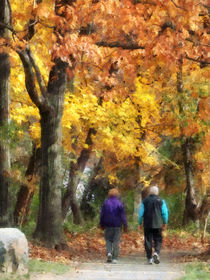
(31, 24)
(145, 2)
(197, 42)
(202, 62)
(46, 25)
(124, 46)
(206, 6)
(177, 6)
(30, 79)
(38, 74)
(9, 27)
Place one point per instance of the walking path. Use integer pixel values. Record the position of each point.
(129, 268)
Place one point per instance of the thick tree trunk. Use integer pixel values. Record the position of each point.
(49, 224)
(4, 118)
(50, 105)
(76, 169)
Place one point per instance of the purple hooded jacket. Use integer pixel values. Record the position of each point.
(113, 213)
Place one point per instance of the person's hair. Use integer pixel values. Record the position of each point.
(113, 192)
(154, 190)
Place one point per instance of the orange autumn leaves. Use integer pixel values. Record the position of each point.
(91, 246)
(107, 45)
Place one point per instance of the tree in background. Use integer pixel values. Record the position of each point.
(5, 19)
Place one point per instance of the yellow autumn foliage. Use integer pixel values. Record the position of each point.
(119, 125)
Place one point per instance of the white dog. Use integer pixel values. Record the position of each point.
(13, 251)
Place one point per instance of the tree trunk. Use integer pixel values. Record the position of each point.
(76, 169)
(192, 209)
(50, 105)
(138, 188)
(191, 205)
(4, 118)
(204, 213)
(49, 224)
(26, 192)
(86, 208)
(69, 198)
(137, 201)
(22, 206)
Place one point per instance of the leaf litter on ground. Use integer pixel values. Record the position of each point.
(91, 247)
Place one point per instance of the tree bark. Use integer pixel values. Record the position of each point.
(26, 192)
(49, 224)
(76, 169)
(86, 208)
(138, 187)
(137, 201)
(204, 213)
(50, 105)
(5, 17)
(191, 204)
(22, 206)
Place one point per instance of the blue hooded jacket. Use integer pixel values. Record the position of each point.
(153, 210)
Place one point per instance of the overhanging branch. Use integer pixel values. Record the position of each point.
(30, 80)
(38, 74)
(128, 46)
(202, 62)
(177, 6)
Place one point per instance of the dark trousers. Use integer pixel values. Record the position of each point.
(150, 235)
(112, 237)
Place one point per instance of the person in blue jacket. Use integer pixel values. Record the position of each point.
(153, 213)
(112, 218)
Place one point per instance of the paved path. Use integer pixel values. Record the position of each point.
(131, 268)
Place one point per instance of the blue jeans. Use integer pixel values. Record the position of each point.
(112, 237)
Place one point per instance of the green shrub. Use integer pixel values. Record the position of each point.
(176, 205)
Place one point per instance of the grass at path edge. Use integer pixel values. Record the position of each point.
(38, 266)
(197, 271)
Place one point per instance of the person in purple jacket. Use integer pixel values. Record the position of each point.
(112, 218)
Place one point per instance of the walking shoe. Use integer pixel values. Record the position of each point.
(109, 257)
(156, 258)
(115, 261)
(150, 261)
